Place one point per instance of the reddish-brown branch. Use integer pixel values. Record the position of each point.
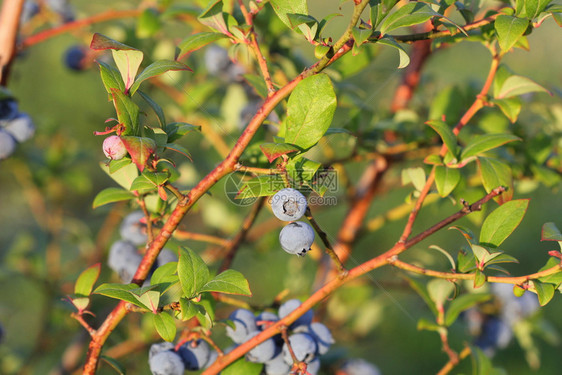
(454, 361)
(78, 24)
(9, 24)
(201, 237)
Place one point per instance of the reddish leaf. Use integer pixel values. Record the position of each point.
(100, 42)
(140, 149)
(273, 150)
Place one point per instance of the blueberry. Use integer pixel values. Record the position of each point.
(303, 346)
(159, 347)
(358, 366)
(244, 322)
(262, 352)
(277, 366)
(114, 148)
(321, 335)
(290, 306)
(313, 367)
(124, 259)
(288, 204)
(8, 110)
(216, 59)
(166, 363)
(7, 144)
(296, 238)
(75, 58)
(133, 230)
(21, 127)
(213, 355)
(166, 256)
(265, 316)
(495, 333)
(514, 309)
(195, 354)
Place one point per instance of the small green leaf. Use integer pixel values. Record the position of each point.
(155, 69)
(121, 292)
(414, 175)
(446, 134)
(466, 261)
(261, 186)
(87, 279)
(556, 278)
(128, 63)
(149, 298)
(446, 179)
(140, 149)
(156, 108)
(545, 292)
(410, 14)
(192, 271)
(117, 366)
(509, 106)
(496, 173)
(321, 51)
(165, 326)
(481, 363)
(273, 150)
(530, 8)
(439, 290)
(550, 232)
(213, 17)
(310, 111)
(463, 303)
(142, 185)
(361, 35)
(427, 325)
(127, 112)
(243, 367)
(157, 178)
(115, 165)
(189, 309)
(165, 274)
(228, 282)
(466, 232)
(509, 29)
(124, 176)
(302, 169)
(284, 7)
(196, 41)
(518, 85)
(111, 195)
(176, 130)
(387, 40)
(479, 278)
(482, 143)
(111, 78)
(502, 222)
(421, 290)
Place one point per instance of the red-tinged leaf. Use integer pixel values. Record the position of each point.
(179, 149)
(140, 149)
(127, 112)
(100, 42)
(162, 193)
(273, 150)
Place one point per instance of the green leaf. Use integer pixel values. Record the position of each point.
(530, 8)
(228, 282)
(127, 112)
(495, 173)
(128, 63)
(196, 41)
(302, 169)
(115, 165)
(463, 303)
(421, 290)
(121, 292)
(149, 298)
(192, 271)
(87, 279)
(155, 69)
(321, 51)
(261, 186)
(439, 290)
(176, 130)
(284, 7)
(189, 309)
(124, 176)
(361, 35)
(509, 106)
(157, 178)
(482, 143)
(509, 29)
(481, 363)
(165, 326)
(479, 279)
(117, 366)
(111, 78)
(410, 14)
(165, 274)
(556, 278)
(446, 133)
(273, 150)
(502, 222)
(243, 367)
(466, 261)
(446, 179)
(140, 149)
(414, 175)
(446, 254)
(156, 108)
(427, 325)
(518, 85)
(550, 232)
(142, 185)
(466, 232)
(101, 42)
(310, 111)
(213, 16)
(403, 55)
(545, 292)
(110, 195)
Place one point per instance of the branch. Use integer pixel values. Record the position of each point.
(9, 23)
(324, 237)
(454, 361)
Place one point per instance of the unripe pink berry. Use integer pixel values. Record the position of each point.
(114, 148)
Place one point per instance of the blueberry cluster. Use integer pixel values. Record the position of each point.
(495, 331)
(166, 359)
(297, 236)
(15, 127)
(308, 340)
(124, 257)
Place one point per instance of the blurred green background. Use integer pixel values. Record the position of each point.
(49, 233)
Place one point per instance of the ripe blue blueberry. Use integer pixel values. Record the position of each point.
(213, 355)
(21, 127)
(7, 144)
(322, 335)
(114, 148)
(265, 316)
(288, 204)
(159, 347)
(8, 110)
(495, 333)
(291, 305)
(277, 366)
(133, 230)
(313, 367)
(262, 352)
(166, 363)
(358, 366)
(75, 58)
(166, 256)
(303, 346)
(124, 259)
(244, 323)
(296, 238)
(195, 354)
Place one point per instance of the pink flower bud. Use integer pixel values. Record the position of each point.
(114, 148)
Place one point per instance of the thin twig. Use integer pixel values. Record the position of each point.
(324, 237)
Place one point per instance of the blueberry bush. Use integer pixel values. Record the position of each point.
(157, 157)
